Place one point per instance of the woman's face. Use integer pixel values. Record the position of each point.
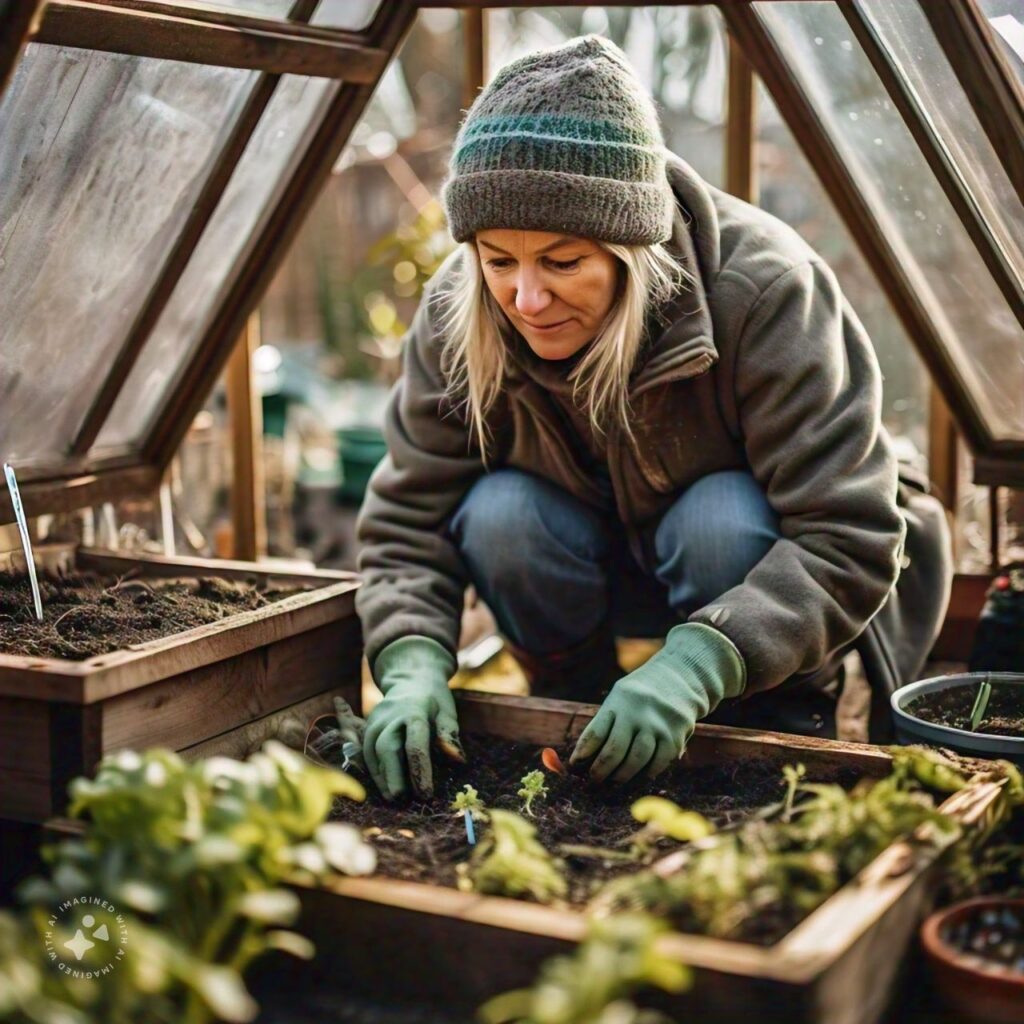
(556, 289)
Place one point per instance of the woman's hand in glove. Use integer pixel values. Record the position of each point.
(413, 674)
(648, 717)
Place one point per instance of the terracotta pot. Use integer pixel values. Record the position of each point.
(974, 992)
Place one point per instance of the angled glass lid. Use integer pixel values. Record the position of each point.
(101, 158)
(294, 112)
(983, 338)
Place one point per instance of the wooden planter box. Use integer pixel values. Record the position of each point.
(218, 688)
(455, 949)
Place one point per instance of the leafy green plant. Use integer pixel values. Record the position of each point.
(770, 872)
(509, 861)
(469, 800)
(193, 857)
(593, 985)
(531, 788)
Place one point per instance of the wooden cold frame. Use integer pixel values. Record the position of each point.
(89, 481)
(217, 687)
(839, 966)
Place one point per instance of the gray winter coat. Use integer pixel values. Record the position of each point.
(760, 365)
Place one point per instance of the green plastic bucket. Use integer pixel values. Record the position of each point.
(359, 451)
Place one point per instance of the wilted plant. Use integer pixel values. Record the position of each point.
(593, 985)
(509, 861)
(772, 872)
(193, 856)
(531, 788)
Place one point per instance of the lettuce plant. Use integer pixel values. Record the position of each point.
(195, 857)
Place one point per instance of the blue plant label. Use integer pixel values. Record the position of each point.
(470, 831)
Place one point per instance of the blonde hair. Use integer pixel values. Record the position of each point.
(475, 354)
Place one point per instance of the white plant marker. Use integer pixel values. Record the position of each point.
(26, 543)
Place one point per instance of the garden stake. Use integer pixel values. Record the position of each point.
(470, 832)
(26, 542)
(981, 703)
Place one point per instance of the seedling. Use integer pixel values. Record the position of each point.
(533, 788)
(470, 806)
(664, 818)
(981, 702)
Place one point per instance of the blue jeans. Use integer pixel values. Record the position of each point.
(553, 570)
(556, 573)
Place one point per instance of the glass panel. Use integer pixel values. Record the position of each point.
(101, 158)
(985, 339)
(679, 53)
(347, 15)
(790, 189)
(293, 112)
(1007, 19)
(908, 37)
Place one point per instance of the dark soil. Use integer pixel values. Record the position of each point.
(423, 841)
(990, 938)
(1004, 715)
(85, 615)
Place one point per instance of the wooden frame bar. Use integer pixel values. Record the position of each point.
(741, 127)
(269, 246)
(245, 414)
(474, 39)
(280, 49)
(992, 88)
(940, 160)
(17, 20)
(894, 266)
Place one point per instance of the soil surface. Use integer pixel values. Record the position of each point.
(1004, 715)
(85, 615)
(423, 841)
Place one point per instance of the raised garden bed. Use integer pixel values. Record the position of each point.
(838, 966)
(272, 643)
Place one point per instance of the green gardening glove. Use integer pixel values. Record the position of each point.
(647, 719)
(413, 674)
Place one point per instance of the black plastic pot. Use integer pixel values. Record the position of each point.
(977, 744)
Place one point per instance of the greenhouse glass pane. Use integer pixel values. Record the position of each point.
(278, 143)
(986, 341)
(348, 15)
(101, 158)
(789, 189)
(1007, 20)
(679, 53)
(905, 32)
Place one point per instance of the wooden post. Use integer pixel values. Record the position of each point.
(245, 415)
(942, 451)
(741, 127)
(474, 42)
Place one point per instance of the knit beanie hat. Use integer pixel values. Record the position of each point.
(565, 139)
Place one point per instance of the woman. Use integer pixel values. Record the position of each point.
(630, 403)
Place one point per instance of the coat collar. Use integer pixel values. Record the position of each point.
(681, 338)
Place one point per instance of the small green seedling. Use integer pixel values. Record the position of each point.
(981, 703)
(533, 788)
(469, 800)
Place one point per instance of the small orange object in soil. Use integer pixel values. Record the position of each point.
(550, 759)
